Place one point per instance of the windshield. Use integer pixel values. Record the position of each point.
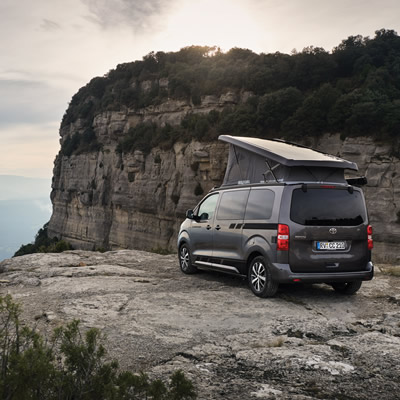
(327, 207)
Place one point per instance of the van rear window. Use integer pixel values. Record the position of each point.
(319, 206)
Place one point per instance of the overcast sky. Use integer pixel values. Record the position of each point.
(50, 48)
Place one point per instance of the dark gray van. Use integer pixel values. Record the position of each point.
(285, 214)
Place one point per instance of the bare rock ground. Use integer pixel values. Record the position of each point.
(306, 343)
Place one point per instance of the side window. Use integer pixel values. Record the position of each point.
(260, 204)
(232, 204)
(207, 207)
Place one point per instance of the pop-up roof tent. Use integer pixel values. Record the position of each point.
(253, 160)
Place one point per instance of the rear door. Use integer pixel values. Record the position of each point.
(328, 229)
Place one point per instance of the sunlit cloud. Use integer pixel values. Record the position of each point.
(224, 23)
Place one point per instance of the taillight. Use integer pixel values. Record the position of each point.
(283, 237)
(370, 241)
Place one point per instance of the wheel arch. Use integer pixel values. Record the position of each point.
(255, 252)
(183, 239)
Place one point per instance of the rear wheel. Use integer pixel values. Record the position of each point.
(185, 260)
(259, 277)
(347, 287)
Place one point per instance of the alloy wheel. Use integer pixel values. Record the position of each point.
(258, 276)
(184, 257)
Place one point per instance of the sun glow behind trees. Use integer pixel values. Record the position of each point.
(223, 23)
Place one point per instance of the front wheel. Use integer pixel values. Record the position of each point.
(347, 287)
(260, 280)
(185, 260)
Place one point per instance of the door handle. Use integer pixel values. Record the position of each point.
(208, 227)
(217, 227)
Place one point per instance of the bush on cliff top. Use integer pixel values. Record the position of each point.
(43, 244)
(355, 90)
(70, 365)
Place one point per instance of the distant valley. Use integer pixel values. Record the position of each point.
(25, 207)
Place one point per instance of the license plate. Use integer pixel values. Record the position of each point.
(331, 245)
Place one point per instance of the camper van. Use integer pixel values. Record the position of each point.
(284, 214)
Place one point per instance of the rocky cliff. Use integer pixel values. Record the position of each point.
(106, 199)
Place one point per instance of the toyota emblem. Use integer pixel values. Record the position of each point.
(332, 231)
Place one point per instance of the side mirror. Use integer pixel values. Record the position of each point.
(189, 214)
(204, 216)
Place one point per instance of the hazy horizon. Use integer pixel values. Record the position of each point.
(25, 207)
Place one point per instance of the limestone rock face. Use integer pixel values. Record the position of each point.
(105, 199)
(111, 200)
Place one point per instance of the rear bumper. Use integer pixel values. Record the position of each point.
(282, 273)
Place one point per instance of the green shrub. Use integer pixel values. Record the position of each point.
(43, 244)
(138, 138)
(70, 365)
(78, 143)
(26, 362)
(59, 247)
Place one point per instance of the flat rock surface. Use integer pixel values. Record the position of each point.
(308, 342)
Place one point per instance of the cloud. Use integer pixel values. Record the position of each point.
(49, 26)
(133, 13)
(27, 101)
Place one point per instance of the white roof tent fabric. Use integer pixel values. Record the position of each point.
(253, 160)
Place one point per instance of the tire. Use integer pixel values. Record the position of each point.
(185, 260)
(259, 278)
(347, 287)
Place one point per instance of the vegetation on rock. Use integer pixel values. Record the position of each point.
(71, 365)
(43, 244)
(80, 143)
(354, 90)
